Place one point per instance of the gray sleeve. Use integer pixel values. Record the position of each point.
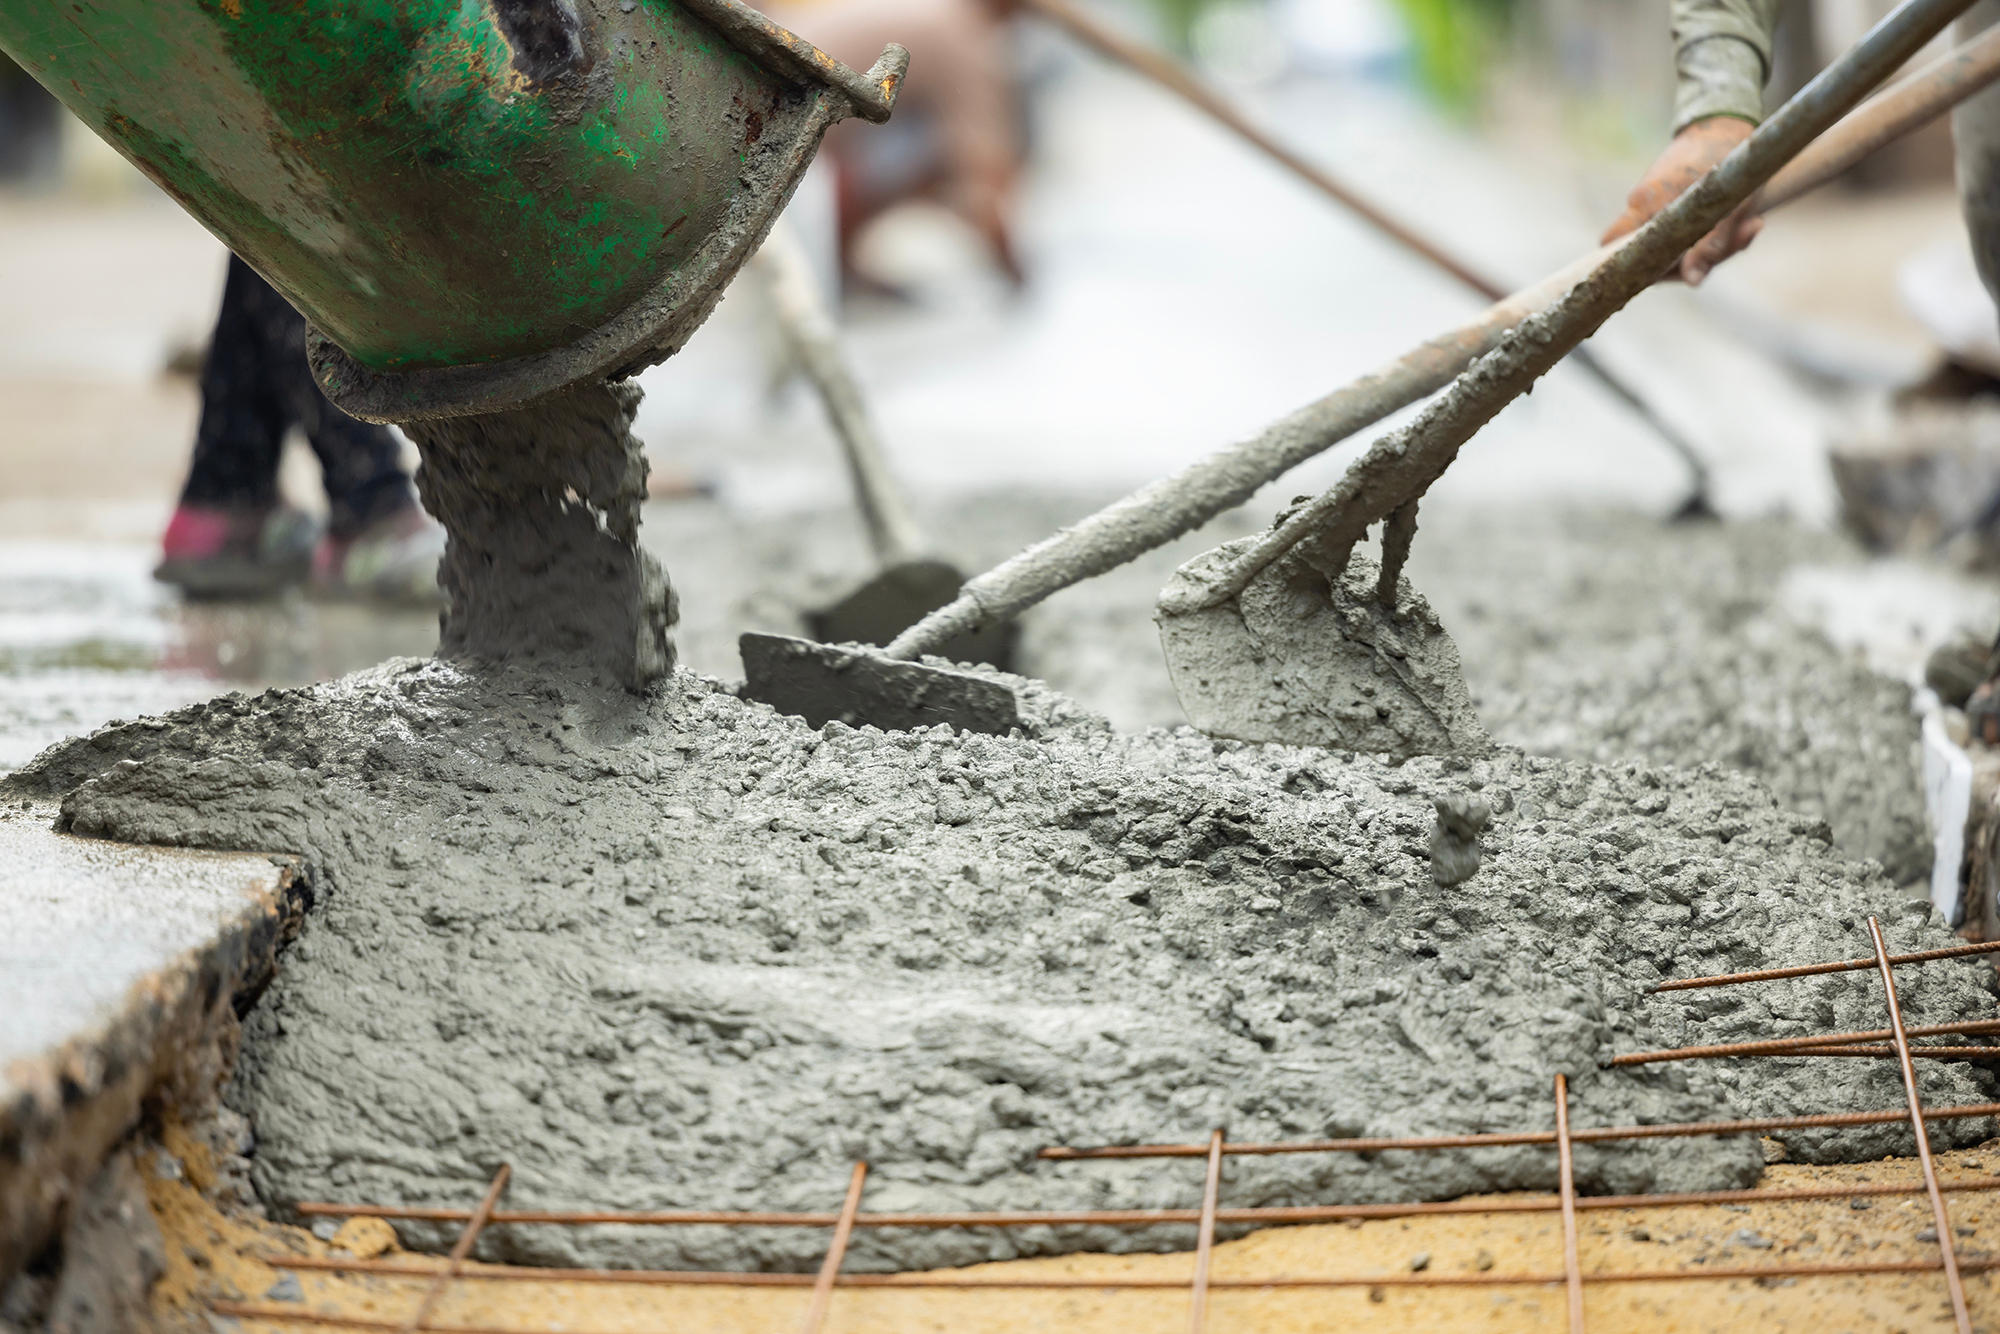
(1722, 58)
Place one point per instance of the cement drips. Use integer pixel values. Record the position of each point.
(677, 950)
(541, 507)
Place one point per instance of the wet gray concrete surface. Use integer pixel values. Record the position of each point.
(89, 921)
(680, 951)
(86, 635)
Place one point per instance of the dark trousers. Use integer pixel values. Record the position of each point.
(1975, 131)
(254, 388)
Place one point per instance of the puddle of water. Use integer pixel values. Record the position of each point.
(87, 636)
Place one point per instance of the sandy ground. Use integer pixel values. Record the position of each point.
(210, 1256)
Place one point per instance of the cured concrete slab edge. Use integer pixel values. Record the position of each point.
(123, 973)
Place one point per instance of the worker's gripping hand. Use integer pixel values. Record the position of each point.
(1687, 159)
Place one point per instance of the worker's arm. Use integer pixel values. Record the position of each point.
(1722, 59)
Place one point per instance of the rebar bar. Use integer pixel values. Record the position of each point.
(950, 1281)
(1267, 1215)
(1499, 1139)
(1815, 969)
(460, 1249)
(1947, 1250)
(829, 1270)
(1772, 1046)
(1931, 1053)
(1204, 1247)
(1566, 1185)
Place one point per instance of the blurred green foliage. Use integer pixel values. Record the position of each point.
(1453, 43)
(1177, 19)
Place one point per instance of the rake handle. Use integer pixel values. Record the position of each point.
(809, 329)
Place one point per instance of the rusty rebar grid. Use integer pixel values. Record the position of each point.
(1565, 1201)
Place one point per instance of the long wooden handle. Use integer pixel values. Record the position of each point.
(1910, 104)
(1175, 78)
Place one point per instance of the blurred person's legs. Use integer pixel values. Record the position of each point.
(959, 139)
(231, 534)
(1975, 130)
(30, 127)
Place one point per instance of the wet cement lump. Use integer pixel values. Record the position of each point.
(1305, 657)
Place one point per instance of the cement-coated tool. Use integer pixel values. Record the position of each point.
(911, 583)
(475, 202)
(1170, 74)
(1291, 637)
(892, 689)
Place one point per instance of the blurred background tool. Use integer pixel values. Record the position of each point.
(1168, 73)
(911, 584)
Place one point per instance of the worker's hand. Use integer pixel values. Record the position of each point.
(1687, 159)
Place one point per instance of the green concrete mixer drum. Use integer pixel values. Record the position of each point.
(475, 202)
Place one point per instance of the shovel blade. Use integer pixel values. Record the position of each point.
(1303, 660)
(897, 599)
(828, 682)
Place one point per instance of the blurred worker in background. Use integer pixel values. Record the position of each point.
(30, 127)
(1722, 58)
(232, 535)
(956, 135)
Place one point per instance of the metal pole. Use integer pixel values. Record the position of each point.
(810, 331)
(1940, 1215)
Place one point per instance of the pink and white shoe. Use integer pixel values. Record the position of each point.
(394, 559)
(217, 551)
